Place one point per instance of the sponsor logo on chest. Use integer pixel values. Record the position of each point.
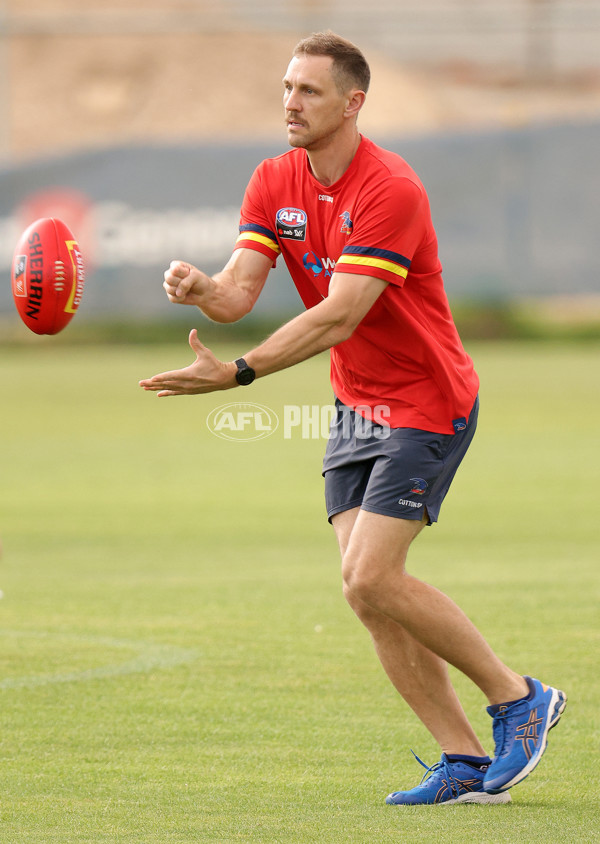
(318, 265)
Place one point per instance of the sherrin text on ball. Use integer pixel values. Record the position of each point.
(47, 276)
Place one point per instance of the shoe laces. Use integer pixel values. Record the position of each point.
(504, 726)
(440, 769)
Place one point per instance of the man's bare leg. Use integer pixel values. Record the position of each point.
(416, 629)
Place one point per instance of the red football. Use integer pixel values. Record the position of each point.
(47, 276)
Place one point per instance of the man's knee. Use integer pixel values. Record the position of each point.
(359, 596)
(373, 560)
(363, 581)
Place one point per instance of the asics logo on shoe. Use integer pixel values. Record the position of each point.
(528, 733)
(449, 791)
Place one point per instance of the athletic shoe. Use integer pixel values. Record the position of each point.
(447, 783)
(521, 733)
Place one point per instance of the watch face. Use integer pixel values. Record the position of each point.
(245, 377)
(245, 374)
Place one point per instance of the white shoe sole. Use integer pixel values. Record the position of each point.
(481, 797)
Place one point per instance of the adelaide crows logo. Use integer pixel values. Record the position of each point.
(418, 486)
(346, 227)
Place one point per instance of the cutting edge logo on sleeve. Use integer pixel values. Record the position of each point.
(291, 223)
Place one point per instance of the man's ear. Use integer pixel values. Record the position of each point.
(356, 101)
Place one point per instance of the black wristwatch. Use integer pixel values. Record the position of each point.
(245, 374)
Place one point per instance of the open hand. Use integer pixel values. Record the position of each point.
(205, 375)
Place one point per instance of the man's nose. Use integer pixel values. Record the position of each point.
(291, 101)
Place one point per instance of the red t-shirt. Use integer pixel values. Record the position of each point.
(405, 354)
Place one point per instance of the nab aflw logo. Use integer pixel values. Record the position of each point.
(291, 223)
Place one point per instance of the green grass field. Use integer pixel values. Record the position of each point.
(177, 662)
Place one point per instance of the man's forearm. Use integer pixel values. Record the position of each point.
(225, 297)
(224, 301)
(306, 335)
(329, 323)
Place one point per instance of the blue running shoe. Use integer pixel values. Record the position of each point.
(447, 783)
(521, 734)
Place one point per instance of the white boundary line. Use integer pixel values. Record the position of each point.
(149, 656)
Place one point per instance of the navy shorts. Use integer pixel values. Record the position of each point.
(400, 472)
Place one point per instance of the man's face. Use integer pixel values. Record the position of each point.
(314, 107)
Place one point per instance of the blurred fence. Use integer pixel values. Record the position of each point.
(517, 215)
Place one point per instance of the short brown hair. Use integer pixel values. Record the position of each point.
(349, 68)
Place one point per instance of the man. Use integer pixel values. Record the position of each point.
(407, 401)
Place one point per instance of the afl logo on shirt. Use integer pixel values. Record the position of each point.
(291, 223)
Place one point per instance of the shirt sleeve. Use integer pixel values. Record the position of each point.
(255, 231)
(389, 225)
